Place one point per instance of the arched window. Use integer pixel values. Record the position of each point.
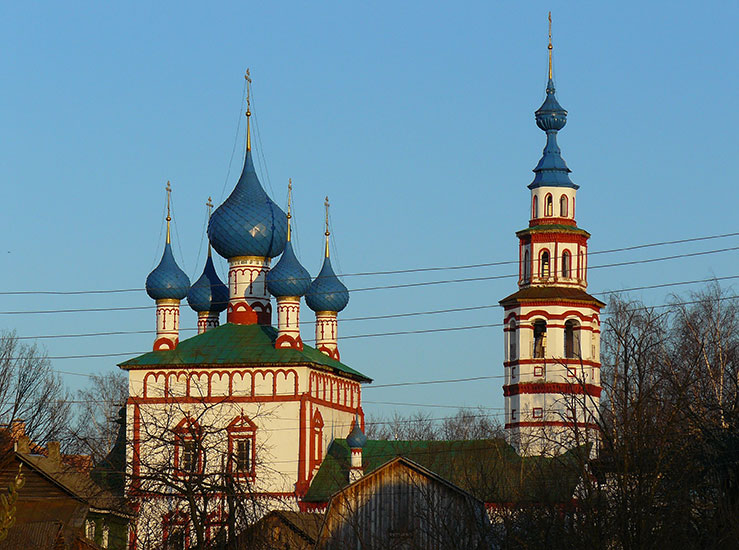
(563, 206)
(573, 207)
(511, 340)
(544, 267)
(572, 339)
(526, 265)
(566, 264)
(188, 452)
(548, 206)
(580, 265)
(540, 338)
(316, 443)
(535, 208)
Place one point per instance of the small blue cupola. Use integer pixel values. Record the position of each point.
(288, 277)
(552, 170)
(167, 281)
(208, 293)
(248, 223)
(327, 292)
(356, 439)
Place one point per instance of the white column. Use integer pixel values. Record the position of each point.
(207, 320)
(288, 323)
(326, 333)
(249, 300)
(168, 324)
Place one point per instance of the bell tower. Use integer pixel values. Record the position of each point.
(552, 325)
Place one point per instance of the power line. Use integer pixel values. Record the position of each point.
(426, 269)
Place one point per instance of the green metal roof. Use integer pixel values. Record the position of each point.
(552, 227)
(489, 469)
(553, 293)
(238, 345)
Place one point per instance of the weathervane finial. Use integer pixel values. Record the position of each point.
(247, 77)
(327, 233)
(289, 205)
(169, 216)
(550, 45)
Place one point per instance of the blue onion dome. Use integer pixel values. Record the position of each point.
(326, 292)
(167, 281)
(552, 170)
(248, 223)
(208, 293)
(288, 277)
(356, 439)
(551, 115)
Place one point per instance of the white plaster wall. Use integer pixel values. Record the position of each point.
(556, 193)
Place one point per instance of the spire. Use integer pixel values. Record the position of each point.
(169, 215)
(247, 77)
(327, 233)
(551, 117)
(289, 205)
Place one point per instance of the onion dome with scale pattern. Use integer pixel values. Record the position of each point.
(248, 223)
(356, 439)
(208, 293)
(327, 292)
(167, 281)
(288, 277)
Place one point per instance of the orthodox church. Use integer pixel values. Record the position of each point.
(285, 419)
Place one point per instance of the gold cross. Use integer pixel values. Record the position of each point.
(169, 195)
(247, 77)
(209, 204)
(550, 45)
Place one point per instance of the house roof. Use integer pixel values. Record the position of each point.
(242, 345)
(550, 293)
(489, 469)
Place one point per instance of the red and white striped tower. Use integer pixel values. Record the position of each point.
(167, 284)
(552, 325)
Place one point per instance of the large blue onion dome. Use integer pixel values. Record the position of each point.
(288, 277)
(167, 281)
(552, 170)
(326, 292)
(248, 223)
(356, 439)
(208, 293)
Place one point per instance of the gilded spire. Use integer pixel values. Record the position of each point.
(247, 77)
(550, 45)
(169, 216)
(289, 205)
(326, 204)
(209, 206)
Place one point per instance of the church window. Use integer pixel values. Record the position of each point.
(544, 267)
(526, 265)
(513, 414)
(548, 206)
(90, 529)
(513, 372)
(535, 207)
(539, 370)
(540, 338)
(316, 440)
(537, 412)
(241, 446)
(175, 531)
(563, 206)
(566, 264)
(189, 456)
(580, 265)
(188, 452)
(571, 372)
(572, 339)
(512, 341)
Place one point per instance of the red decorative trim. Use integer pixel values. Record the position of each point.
(551, 361)
(316, 441)
(552, 221)
(301, 487)
(285, 341)
(332, 353)
(549, 316)
(242, 313)
(563, 388)
(187, 429)
(165, 343)
(242, 427)
(552, 423)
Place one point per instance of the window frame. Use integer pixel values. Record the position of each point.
(537, 412)
(548, 206)
(239, 429)
(187, 431)
(563, 206)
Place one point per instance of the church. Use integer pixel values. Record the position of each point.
(246, 411)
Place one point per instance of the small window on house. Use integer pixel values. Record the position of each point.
(526, 265)
(537, 412)
(563, 206)
(566, 264)
(540, 338)
(548, 206)
(535, 207)
(544, 271)
(512, 341)
(539, 371)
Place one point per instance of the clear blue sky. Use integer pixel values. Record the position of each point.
(416, 118)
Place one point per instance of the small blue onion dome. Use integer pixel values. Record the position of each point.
(356, 439)
(552, 170)
(167, 281)
(288, 277)
(326, 292)
(248, 223)
(208, 293)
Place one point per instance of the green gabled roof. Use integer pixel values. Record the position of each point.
(489, 469)
(238, 345)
